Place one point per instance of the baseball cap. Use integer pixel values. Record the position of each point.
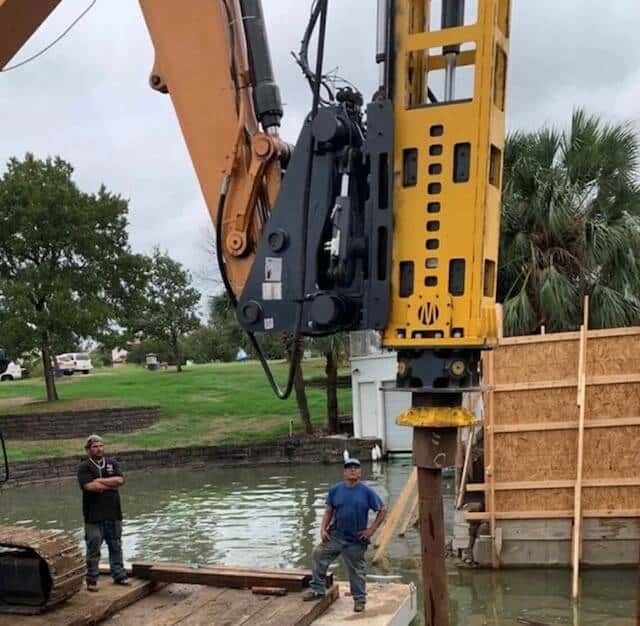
(91, 439)
(349, 462)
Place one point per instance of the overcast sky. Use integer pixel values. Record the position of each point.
(88, 100)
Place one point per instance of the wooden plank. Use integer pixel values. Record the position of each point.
(240, 579)
(565, 425)
(269, 591)
(554, 514)
(395, 516)
(409, 517)
(577, 503)
(557, 484)
(232, 606)
(298, 613)
(465, 467)
(141, 569)
(203, 596)
(490, 502)
(609, 379)
(103, 609)
(571, 336)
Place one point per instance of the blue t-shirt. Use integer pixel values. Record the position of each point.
(351, 506)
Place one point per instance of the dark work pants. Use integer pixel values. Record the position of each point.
(94, 534)
(353, 555)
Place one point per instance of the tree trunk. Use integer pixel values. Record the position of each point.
(331, 370)
(49, 378)
(301, 398)
(176, 352)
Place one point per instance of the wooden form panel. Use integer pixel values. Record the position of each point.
(558, 404)
(532, 438)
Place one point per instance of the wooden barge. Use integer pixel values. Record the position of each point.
(163, 594)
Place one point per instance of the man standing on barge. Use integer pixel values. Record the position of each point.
(100, 478)
(345, 531)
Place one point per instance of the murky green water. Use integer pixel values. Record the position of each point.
(269, 516)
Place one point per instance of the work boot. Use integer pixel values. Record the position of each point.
(92, 585)
(358, 607)
(310, 596)
(125, 582)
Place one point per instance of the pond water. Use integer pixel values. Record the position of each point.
(270, 516)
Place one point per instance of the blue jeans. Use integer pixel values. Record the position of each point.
(94, 534)
(353, 555)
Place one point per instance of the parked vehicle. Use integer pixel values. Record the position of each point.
(74, 362)
(8, 369)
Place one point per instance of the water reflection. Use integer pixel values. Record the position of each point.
(270, 517)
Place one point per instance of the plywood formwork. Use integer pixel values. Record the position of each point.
(532, 424)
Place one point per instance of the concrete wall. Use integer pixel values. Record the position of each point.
(607, 542)
(71, 424)
(316, 450)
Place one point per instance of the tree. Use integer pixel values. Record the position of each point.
(66, 269)
(335, 349)
(571, 227)
(170, 304)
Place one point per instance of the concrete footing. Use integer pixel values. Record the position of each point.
(607, 542)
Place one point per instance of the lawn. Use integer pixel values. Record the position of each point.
(204, 405)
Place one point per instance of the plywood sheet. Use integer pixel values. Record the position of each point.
(612, 401)
(531, 362)
(620, 498)
(613, 355)
(547, 455)
(612, 452)
(535, 405)
(534, 500)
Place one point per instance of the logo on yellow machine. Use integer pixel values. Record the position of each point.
(428, 313)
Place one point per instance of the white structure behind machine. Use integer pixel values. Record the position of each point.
(375, 407)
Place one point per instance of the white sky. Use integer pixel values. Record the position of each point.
(88, 100)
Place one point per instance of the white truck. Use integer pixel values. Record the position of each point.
(8, 369)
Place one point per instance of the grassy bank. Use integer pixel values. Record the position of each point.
(204, 405)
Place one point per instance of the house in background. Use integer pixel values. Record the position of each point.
(119, 356)
(375, 405)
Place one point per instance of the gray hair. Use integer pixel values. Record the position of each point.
(91, 439)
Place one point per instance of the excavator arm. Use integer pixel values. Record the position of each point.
(202, 62)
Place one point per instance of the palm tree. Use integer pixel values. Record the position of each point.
(571, 227)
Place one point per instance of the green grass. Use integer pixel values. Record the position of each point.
(204, 405)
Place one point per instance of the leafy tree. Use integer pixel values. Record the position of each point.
(170, 304)
(66, 269)
(571, 227)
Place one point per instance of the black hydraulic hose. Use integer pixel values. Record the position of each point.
(282, 395)
(295, 353)
(6, 460)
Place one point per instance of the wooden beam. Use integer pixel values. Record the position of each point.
(541, 426)
(409, 517)
(241, 578)
(465, 467)
(434, 571)
(609, 379)
(559, 514)
(395, 516)
(577, 502)
(490, 502)
(557, 484)
(573, 336)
